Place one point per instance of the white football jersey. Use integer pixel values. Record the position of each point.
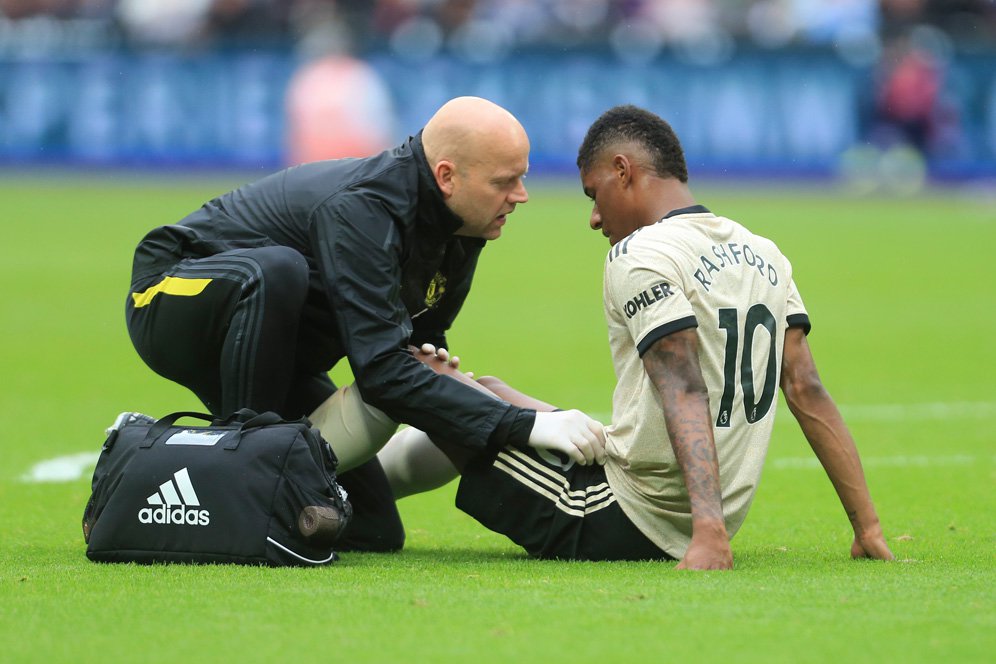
(695, 269)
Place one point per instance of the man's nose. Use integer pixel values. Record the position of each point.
(596, 220)
(519, 194)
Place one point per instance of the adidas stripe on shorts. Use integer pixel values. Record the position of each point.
(552, 508)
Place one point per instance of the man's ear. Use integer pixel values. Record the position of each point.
(622, 168)
(444, 172)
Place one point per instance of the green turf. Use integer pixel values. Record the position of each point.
(901, 296)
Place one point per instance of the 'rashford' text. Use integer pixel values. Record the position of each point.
(729, 254)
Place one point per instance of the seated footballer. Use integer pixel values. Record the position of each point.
(705, 322)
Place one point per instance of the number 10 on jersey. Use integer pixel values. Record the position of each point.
(755, 406)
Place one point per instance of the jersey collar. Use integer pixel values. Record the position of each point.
(691, 209)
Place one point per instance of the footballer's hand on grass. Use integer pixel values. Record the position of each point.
(871, 544)
(571, 432)
(707, 555)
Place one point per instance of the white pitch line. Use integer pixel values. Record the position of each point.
(906, 412)
(897, 412)
(74, 466)
(900, 461)
(62, 469)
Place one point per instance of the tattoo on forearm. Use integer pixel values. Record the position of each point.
(696, 455)
(689, 426)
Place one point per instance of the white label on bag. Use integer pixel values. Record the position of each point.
(195, 437)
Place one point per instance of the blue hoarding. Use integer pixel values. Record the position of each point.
(786, 112)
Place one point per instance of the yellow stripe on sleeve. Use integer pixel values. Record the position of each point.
(170, 286)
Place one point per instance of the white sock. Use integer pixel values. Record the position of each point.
(354, 429)
(414, 464)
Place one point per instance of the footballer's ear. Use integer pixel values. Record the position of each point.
(622, 169)
(444, 171)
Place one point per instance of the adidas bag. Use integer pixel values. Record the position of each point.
(252, 489)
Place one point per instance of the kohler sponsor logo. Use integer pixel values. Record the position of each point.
(650, 296)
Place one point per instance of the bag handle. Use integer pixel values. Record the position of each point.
(165, 422)
(249, 419)
(244, 418)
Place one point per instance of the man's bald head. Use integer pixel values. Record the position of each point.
(478, 154)
(465, 130)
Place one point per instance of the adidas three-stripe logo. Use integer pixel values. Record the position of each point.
(172, 502)
(550, 484)
(167, 491)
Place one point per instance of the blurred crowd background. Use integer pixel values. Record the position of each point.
(915, 75)
(465, 25)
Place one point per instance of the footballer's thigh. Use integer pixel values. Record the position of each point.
(551, 507)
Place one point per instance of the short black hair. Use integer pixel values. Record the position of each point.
(631, 124)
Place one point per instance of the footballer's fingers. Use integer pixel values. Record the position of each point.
(428, 349)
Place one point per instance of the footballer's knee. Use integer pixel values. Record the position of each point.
(492, 383)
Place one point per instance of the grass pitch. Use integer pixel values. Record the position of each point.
(901, 297)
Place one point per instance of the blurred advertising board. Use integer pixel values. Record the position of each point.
(763, 113)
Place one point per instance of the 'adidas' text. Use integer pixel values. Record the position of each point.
(176, 515)
(172, 504)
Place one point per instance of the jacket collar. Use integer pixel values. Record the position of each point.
(432, 209)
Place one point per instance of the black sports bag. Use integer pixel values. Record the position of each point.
(252, 489)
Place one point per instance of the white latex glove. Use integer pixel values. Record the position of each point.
(572, 433)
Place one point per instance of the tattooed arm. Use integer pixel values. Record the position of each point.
(673, 365)
(821, 422)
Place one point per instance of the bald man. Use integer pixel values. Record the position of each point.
(251, 299)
